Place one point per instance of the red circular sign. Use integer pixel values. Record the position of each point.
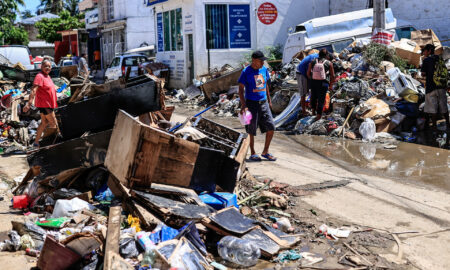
(267, 13)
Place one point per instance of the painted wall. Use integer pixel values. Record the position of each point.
(290, 13)
(432, 14)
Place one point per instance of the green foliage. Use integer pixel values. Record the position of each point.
(52, 6)
(375, 53)
(26, 14)
(48, 28)
(273, 52)
(15, 36)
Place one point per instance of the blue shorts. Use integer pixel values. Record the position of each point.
(261, 117)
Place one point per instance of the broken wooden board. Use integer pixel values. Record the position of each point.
(185, 195)
(55, 256)
(140, 155)
(170, 208)
(98, 113)
(81, 152)
(117, 262)
(32, 172)
(267, 246)
(221, 84)
(82, 243)
(282, 238)
(229, 221)
(112, 236)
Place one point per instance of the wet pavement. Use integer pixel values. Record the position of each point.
(408, 162)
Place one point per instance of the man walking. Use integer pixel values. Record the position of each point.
(83, 66)
(255, 97)
(435, 97)
(302, 79)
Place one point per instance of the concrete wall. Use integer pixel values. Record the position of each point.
(290, 13)
(422, 14)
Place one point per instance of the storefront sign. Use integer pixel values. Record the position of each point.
(239, 20)
(267, 13)
(152, 2)
(188, 24)
(160, 34)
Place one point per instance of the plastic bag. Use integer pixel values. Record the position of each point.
(127, 248)
(367, 130)
(67, 208)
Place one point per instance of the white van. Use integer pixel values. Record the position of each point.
(16, 54)
(336, 32)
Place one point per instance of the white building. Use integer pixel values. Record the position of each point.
(236, 28)
(124, 25)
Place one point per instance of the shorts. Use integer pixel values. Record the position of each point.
(436, 102)
(261, 117)
(46, 111)
(302, 84)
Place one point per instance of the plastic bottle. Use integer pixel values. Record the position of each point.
(238, 251)
(150, 254)
(245, 117)
(32, 252)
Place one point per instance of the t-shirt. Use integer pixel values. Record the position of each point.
(326, 64)
(96, 55)
(255, 82)
(302, 68)
(81, 64)
(46, 92)
(428, 66)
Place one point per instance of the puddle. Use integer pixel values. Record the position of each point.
(410, 162)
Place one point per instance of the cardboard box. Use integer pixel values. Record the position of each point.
(424, 37)
(408, 50)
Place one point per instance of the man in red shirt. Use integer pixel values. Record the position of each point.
(43, 93)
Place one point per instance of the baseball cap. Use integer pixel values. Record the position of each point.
(258, 55)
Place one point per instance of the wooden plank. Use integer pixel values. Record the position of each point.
(221, 83)
(116, 262)
(231, 220)
(112, 235)
(123, 144)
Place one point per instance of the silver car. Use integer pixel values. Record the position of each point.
(120, 64)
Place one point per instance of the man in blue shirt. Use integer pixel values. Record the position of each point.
(255, 97)
(302, 78)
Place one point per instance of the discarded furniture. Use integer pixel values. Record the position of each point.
(98, 113)
(140, 155)
(222, 83)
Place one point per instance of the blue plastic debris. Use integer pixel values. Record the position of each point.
(288, 255)
(219, 200)
(164, 234)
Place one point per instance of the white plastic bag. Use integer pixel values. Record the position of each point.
(67, 208)
(367, 130)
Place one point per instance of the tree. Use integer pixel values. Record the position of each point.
(72, 6)
(48, 28)
(26, 14)
(52, 6)
(8, 11)
(15, 36)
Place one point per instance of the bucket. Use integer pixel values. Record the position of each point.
(20, 201)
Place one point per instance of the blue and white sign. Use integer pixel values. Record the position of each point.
(239, 20)
(160, 34)
(152, 2)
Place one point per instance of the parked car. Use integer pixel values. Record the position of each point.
(148, 51)
(16, 54)
(65, 61)
(119, 65)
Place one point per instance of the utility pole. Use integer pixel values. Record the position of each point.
(379, 20)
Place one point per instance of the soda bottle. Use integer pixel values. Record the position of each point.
(238, 251)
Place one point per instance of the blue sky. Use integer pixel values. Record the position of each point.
(31, 5)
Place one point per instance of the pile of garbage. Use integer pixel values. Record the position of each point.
(378, 89)
(18, 129)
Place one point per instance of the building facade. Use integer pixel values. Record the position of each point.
(124, 25)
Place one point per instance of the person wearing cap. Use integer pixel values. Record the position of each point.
(255, 97)
(435, 99)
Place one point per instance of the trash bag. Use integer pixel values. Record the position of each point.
(67, 208)
(280, 101)
(64, 193)
(127, 248)
(367, 130)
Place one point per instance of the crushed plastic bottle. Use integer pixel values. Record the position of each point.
(238, 251)
(150, 254)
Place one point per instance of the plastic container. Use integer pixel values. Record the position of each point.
(238, 251)
(220, 200)
(20, 201)
(68, 208)
(245, 118)
(144, 241)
